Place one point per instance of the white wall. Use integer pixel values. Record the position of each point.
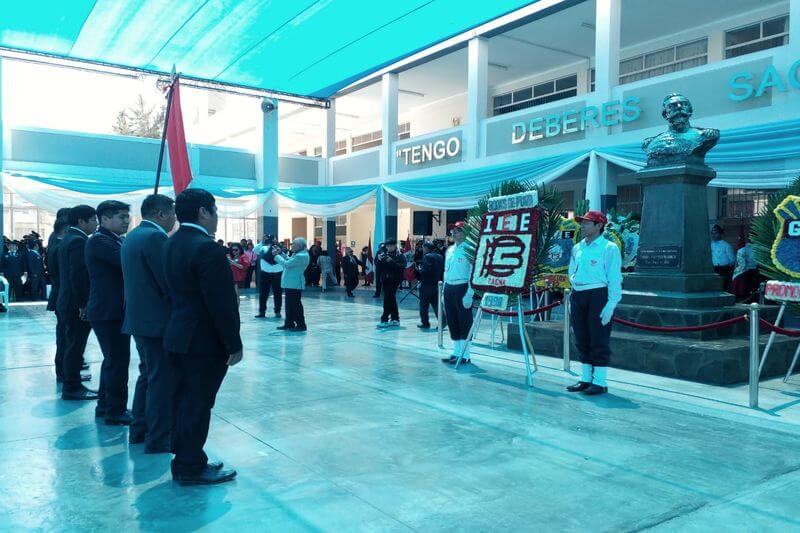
(438, 115)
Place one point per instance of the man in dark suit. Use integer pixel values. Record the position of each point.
(51, 259)
(106, 309)
(202, 334)
(350, 267)
(431, 272)
(73, 295)
(146, 314)
(14, 265)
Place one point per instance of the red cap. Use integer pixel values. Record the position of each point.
(460, 225)
(593, 216)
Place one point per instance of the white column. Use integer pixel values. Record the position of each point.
(267, 164)
(593, 182)
(389, 116)
(477, 95)
(329, 131)
(606, 46)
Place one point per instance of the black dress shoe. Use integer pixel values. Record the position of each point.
(85, 366)
(594, 390)
(216, 465)
(284, 327)
(450, 360)
(122, 419)
(79, 394)
(579, 386)
(260, 315)
(208, 476)
(298, 328)
(86, 377)
(424, 326)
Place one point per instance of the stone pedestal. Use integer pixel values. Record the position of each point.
(674, 261)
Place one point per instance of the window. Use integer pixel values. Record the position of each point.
(236, 229)
(759, 36)
(629, 199)
(664, 61)
(541, 93)
(341, 226)
(318, 151)
(742, 203)
(21, 217)
(369, 140)
(592, 75)
(341, 147)
(302, 152)
(568, 198)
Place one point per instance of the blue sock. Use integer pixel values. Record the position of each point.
(586, 373)
(600, 376)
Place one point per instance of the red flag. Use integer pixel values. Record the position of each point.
(409, 275)
(176, 143)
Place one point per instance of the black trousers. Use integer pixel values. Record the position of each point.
(16, 289)
(378, 283)
(459, 318)
(428, 297)
(38, 288)
(390, 310)
(61, 345)
(294, 309)
(154, 394)
(591, 337)
(350, 283)
(270, 281)
(77, 332)
(727, 276)
(197, 380)
(116, 348)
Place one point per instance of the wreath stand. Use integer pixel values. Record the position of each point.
(527, 345)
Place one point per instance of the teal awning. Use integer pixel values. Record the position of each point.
(301, 47)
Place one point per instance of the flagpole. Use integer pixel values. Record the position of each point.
(164, 135)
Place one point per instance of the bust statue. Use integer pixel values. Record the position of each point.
(681, 143)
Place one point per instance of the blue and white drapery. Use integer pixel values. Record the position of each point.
(766, 156)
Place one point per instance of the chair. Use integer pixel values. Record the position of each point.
(4, 292)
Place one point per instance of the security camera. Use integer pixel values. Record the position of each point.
(267, 106)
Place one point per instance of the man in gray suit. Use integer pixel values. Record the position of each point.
(292, 283)
(146, 315)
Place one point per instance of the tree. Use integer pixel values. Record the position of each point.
(140, 120)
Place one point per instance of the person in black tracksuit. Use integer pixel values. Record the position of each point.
(431, 272)
(391, 263)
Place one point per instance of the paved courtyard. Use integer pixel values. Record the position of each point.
(350, 428)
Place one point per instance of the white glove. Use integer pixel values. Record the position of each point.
(467, 300)
(607, 313)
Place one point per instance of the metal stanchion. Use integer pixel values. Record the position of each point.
(439, 313)
(754, 355)
(566, 307)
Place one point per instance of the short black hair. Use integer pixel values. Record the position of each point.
(63, 214)
(80, 212)
(59, 225)
(109, 208)
(155, 203)
(718, 228)
(428, 245)
(189, 202)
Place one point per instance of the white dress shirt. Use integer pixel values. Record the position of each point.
(267, 267)
(722, 253)
(596, 265)
(457, 265)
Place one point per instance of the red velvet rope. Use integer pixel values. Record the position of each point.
(777, 329)
(676, 329)
(537, 311)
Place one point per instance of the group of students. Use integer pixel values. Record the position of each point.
(22, 264)
(174, 295)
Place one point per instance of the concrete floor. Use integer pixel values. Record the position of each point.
(350, 428)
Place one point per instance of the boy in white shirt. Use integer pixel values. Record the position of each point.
(595, 272)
